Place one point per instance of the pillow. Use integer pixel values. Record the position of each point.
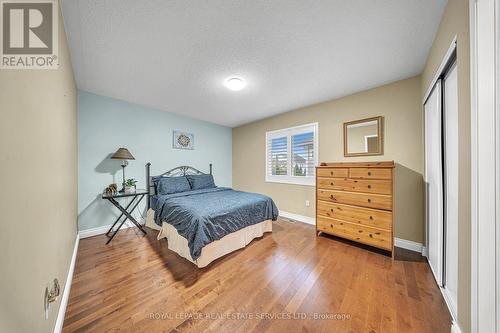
(169, 185)
(199, 182)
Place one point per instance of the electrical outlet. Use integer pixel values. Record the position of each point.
(308, 203)
(51, 296)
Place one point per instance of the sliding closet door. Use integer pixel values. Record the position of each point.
(434, 181)
(451, 185)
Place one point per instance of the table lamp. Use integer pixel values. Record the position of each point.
(124, 155)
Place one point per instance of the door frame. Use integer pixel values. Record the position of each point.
(453, 306)
(366, 140)
(444, 62)
(485, 165)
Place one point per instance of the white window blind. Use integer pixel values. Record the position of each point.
(292, 155)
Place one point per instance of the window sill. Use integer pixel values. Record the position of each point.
(303, 182)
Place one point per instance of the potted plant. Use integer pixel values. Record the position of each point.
(130, 185)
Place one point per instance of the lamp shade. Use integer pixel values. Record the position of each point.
(122, 154)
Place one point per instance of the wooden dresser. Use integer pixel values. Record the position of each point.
(355, 201)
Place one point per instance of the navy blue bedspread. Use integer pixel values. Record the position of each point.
(204, 216)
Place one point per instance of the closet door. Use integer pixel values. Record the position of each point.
(451, 185)
(434, 181)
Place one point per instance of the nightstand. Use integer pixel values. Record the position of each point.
(137, 197)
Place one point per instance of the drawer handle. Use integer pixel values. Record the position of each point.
(331, 184)
(371, 217)
(369, 186)
(371, 236)
(369, 200)
(377, 233)
(369, 173)
(331, 225)
(331, 173)
(331, 209)
(360, 231)
(332, 197)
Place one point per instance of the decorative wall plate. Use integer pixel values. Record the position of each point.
(183, 140)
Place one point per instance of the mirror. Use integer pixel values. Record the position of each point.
(363, 137)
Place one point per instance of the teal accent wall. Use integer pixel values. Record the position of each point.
(105, 124)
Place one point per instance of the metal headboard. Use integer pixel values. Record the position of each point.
(175, 172)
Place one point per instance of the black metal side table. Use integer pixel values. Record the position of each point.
(137, 196)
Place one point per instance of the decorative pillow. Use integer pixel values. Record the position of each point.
(169, 185)
(199, 182)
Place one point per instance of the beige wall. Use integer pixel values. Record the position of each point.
(39, 187)
(455, 22)
(399, 103)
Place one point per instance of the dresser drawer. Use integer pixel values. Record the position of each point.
(370, 173)
(370, 236)
(332, 172)
(357, 215)
(379, 201)
(356, 185)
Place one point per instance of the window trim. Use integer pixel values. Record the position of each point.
(289, 178)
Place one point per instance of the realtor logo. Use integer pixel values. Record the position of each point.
(29, 38)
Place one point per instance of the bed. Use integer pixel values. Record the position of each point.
(203, 222)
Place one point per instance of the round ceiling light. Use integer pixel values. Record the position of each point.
(235, 83)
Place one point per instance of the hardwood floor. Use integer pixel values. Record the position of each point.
(136, 284)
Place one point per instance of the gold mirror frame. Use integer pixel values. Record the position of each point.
(380, 141)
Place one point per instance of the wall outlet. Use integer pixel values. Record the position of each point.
(51, 296)
(308, 203)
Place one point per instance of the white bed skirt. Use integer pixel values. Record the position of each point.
(214, 250)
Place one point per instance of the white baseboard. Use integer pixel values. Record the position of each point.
(297, 217)
(408, 245)
(102, 230)
(398, 242)
(67, 288)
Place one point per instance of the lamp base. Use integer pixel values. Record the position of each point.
(124, 164)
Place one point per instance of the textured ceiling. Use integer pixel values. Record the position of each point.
(175, 55)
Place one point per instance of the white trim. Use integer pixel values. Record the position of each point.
(474, 158)
(297, 217)
(454, 327)
(485, 163)
(449, 303)
(439, 71)
(67, 288)
(451, 184)
(102, 230)
(292, 180)
(288, 178)
(447, 300)
(408, 245)
(496, 280)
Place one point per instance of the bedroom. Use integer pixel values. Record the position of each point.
(236, 166)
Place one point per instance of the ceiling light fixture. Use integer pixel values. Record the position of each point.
(235, 83)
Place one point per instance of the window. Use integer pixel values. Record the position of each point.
(292, 155)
